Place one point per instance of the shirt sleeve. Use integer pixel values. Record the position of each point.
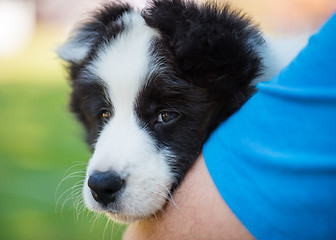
(274, 161)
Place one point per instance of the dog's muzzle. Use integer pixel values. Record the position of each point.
(105, 186)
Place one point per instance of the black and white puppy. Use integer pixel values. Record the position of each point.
(149, 87)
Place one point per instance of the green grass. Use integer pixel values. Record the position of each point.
(39, 141)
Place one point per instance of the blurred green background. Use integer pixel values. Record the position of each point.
(42, 152)
(39, 141)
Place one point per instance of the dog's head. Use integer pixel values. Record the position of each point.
(149, 88)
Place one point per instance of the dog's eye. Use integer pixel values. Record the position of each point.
(166, 117)
(105, 114)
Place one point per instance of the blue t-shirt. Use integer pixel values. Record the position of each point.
(274, 161)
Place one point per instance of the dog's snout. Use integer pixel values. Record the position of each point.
(105, 186)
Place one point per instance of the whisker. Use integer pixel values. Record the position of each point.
(72, 175)
(93, 219)
(105, 228)
(74, 192)
(72, 196)
(71, 192)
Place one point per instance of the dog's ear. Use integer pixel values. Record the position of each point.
(215, 47)
(78, 45)
(84, 38)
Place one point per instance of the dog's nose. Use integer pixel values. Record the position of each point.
(105, 186)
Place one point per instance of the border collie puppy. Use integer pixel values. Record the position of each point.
(149, 87)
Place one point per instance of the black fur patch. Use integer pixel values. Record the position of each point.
(214, 48)
(88, 99)
(167, 91)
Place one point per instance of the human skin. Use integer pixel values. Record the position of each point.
(199, 213)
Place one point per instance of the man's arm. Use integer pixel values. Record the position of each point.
(199, 213)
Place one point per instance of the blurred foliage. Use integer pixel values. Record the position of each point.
(41, 144)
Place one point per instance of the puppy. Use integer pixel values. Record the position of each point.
(149, 87)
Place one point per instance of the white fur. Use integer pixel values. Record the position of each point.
(73, 51)
(123, 146)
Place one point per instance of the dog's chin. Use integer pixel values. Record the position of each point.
(124, 218)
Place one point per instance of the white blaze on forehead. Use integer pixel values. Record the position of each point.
(124, 63)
